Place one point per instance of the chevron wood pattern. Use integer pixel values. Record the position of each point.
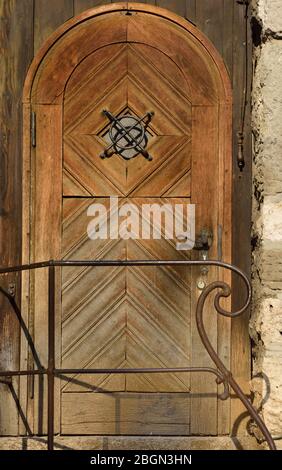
(122, 318)
(133, 317)
(88, 294)
(125, 77)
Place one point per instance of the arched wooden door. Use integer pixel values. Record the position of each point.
(128, 60)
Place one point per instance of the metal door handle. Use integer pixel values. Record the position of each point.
(203, 244)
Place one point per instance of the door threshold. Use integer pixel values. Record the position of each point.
(132, 443)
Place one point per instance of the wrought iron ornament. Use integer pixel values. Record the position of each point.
(223, 375)
(127, 135)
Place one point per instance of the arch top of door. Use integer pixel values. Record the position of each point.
(70, 44)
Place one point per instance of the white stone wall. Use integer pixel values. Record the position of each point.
(266, 322)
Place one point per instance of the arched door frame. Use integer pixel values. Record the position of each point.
(52, 94)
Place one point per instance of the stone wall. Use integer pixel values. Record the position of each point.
(266, 321)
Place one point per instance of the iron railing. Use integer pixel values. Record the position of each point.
(223, 375)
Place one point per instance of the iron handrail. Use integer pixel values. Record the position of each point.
(223, 375)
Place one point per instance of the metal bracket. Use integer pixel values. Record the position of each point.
(12, 289)
(33, 128)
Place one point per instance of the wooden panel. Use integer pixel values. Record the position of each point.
(106, 323)
(125, 414)
(206, 87)
(136, 70)
(16, 36)
(48, 16)
(104, 310)
(74, 47)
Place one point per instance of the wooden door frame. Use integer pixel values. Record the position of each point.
(34, 80)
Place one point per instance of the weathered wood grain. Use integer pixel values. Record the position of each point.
(109, 29)
(16, 35)
(46, 242)
(140, 77)
(48, 15)
(205, 86)
(110, 325)
(210, 14)
(205, 195)
(82, 5)
(241, 213)
(125, 413)
(224, 345)
(232, 31)
(227, 34)
(133, 67)
(26, 360)
(177, 6)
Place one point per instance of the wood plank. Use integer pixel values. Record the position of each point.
(177, 6)
(190, 12)
(210, 21)
(82, 5)
(48, 16)
(125, 413)
(224, 346)
(16, 37)
(205, 195)
(46, 242)
(227, 34)
(26, 359)
(217, 23)
(241, 213)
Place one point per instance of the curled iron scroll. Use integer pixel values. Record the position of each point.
(228, 380)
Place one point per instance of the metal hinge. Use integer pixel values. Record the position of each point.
(33, 128)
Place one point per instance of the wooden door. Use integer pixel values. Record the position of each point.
(129, 61)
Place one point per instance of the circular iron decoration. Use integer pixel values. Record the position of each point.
(127, 135)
